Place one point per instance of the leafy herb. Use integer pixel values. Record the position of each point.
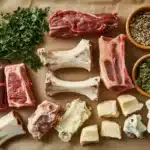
(140, 28)
(143, 78)
(20, 31)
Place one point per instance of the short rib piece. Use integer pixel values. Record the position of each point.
(69, 23)
(19, 92)
(112, 64)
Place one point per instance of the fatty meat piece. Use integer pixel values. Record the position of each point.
(43, 119)
(70, 23)
(112, 63)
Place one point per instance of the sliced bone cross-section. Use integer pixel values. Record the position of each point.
(10, 126)
(89, 87)
(78, 57)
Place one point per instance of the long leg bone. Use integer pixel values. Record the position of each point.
(78, 57)
(89, 87)
(10, 126)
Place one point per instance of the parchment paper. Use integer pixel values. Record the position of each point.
(51, 141)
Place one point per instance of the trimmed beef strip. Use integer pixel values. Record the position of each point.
(69, 23)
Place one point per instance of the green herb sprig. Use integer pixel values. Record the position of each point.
(20, 32)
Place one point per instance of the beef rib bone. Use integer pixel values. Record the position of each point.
(112, 63)
(78, 57)
(89, 87)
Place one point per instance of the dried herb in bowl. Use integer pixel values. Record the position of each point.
(20, 31)
(143, 75)
(140, 28)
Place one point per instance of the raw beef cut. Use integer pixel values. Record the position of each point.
(19, 93)
(3, 98)
(43, 119)
(69, 23)
(112, 63)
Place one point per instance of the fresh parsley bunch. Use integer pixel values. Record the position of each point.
(20, 32)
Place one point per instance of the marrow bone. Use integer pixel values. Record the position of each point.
(76, 114)
(78, 57)
(89, 87)
(10, 126)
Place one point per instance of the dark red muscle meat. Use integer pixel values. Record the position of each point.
(19, 92)
(69, 23)
(113, 70)
(3, 98)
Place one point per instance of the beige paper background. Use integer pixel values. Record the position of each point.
(51, 141)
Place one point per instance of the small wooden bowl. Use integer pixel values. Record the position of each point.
(134, 74)
(142, 8)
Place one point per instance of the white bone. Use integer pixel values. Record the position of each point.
(78, 57)
(89, 87)
(10, 126)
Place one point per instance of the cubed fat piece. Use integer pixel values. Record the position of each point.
(108, 109)
(43, 119)
(133, 126)
(110, 129)
(18, 86)
(112, 63)
(76, 114)
(89, 135)
(70, 23)
(129, 104)
(148, 114)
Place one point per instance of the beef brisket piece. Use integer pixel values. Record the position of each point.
(3, 98)
(19, 93)
(43, 119)
(112, 63)
(69, 23)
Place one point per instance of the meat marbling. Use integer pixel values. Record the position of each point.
(19, 93)
(69, 23)
(112, 63)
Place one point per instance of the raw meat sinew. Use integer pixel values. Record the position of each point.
(112, 63)
(69, 23)
(19, 93)
(43, 119)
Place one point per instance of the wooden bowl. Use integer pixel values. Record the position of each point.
(142, 8)
(134, 74)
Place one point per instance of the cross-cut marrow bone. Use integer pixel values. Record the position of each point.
(76, 114)
(78, 57)
(89, 87)
(10, 126)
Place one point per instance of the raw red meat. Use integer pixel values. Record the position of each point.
(3, 98)
(112, 63)
(19, 93)
(69, 23)
(43, 119)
